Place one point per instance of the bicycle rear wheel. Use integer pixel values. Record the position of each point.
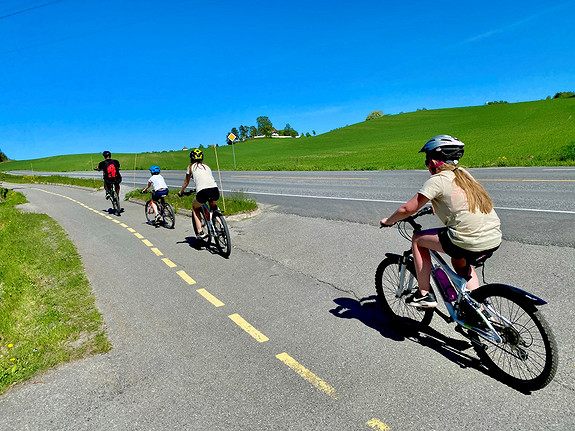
(527, 358)
(149, 209)
(387, 278)
(222, 234)
(168, 216)
(115, 200)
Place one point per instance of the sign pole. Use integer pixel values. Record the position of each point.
(220, 175)
(232, 138)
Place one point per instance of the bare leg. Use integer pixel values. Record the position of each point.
(459, 265)
(422, 242)
(196, 206)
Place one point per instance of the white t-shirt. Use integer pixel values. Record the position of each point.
(471, 231)
(158, 182)
(202, 175)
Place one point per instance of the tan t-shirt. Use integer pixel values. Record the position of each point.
(202, 175)
(470, 231)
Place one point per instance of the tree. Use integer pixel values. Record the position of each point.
(253, 131)
(235, 132)
(265, 126)
(3, 157)
(373, 115)
(313, 132)
(243, 133)
(287, 130)
(564, 94)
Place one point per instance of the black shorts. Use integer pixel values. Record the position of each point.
(111, 181)
(457, 252)
(212, 194)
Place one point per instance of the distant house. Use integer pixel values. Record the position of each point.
(185, 148)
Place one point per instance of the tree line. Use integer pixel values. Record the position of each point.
(264, 128)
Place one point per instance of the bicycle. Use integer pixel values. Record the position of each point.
(165, 211)
(115, 199)
(215, 226)
(503, 323)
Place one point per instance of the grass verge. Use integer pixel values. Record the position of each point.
(234, 203)
(47, 310)
(51, 179)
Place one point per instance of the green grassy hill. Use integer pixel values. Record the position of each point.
(520, 134)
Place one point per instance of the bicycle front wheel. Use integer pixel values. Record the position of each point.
(149, 209)
(169, 216)
(528, 356)
(391, 295)
(222, 235)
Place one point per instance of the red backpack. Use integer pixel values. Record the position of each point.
(111, 172)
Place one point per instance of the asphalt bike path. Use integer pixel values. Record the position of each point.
(283, 335)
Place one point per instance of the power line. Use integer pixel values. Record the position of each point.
(29, 9)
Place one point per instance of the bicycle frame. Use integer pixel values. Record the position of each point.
(460, 285)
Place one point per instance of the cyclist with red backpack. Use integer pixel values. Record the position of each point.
(111, 169)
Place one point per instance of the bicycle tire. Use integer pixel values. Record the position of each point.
(405, 317)
(168, 216)
(528, 357)
(115, 201)
(149, 209)
(222, 234)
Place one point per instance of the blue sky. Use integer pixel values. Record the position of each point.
(79, 76)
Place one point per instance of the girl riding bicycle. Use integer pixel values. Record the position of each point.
(158, 183)
(472, 228)
(206, 187)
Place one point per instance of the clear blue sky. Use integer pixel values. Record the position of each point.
(79, 76)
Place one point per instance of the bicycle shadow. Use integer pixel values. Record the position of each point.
(368, 312)
(198, 244)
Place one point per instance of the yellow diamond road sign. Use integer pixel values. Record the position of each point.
(231, 137)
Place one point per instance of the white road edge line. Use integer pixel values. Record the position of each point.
(391, 202)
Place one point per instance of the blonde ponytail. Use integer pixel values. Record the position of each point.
(477, 196)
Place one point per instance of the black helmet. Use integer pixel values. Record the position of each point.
(444, 148)
(196, 155)
(107, 154)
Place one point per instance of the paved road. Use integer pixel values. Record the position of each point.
(536, 205)
(323, 356)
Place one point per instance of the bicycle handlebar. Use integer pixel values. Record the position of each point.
(411, 219)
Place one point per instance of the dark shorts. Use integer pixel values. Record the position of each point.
(159, 194)
(212, 194)
(457, 252)
(110, 181)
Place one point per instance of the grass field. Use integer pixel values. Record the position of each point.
(517, 134)
(52, 179)
(234, 203)
(47, 310)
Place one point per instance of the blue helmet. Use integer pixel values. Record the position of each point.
(154, 169)
(444, 148)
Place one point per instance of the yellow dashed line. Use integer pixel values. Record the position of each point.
(123, 225)
(131, 230)
(137, 235)
(158, 252)
(148, 243)
(378, 425)
(186, 277)
(116, 221)
(215, 301)
(307, 375)
(169, 262)
(239, 320)
(109, 218)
